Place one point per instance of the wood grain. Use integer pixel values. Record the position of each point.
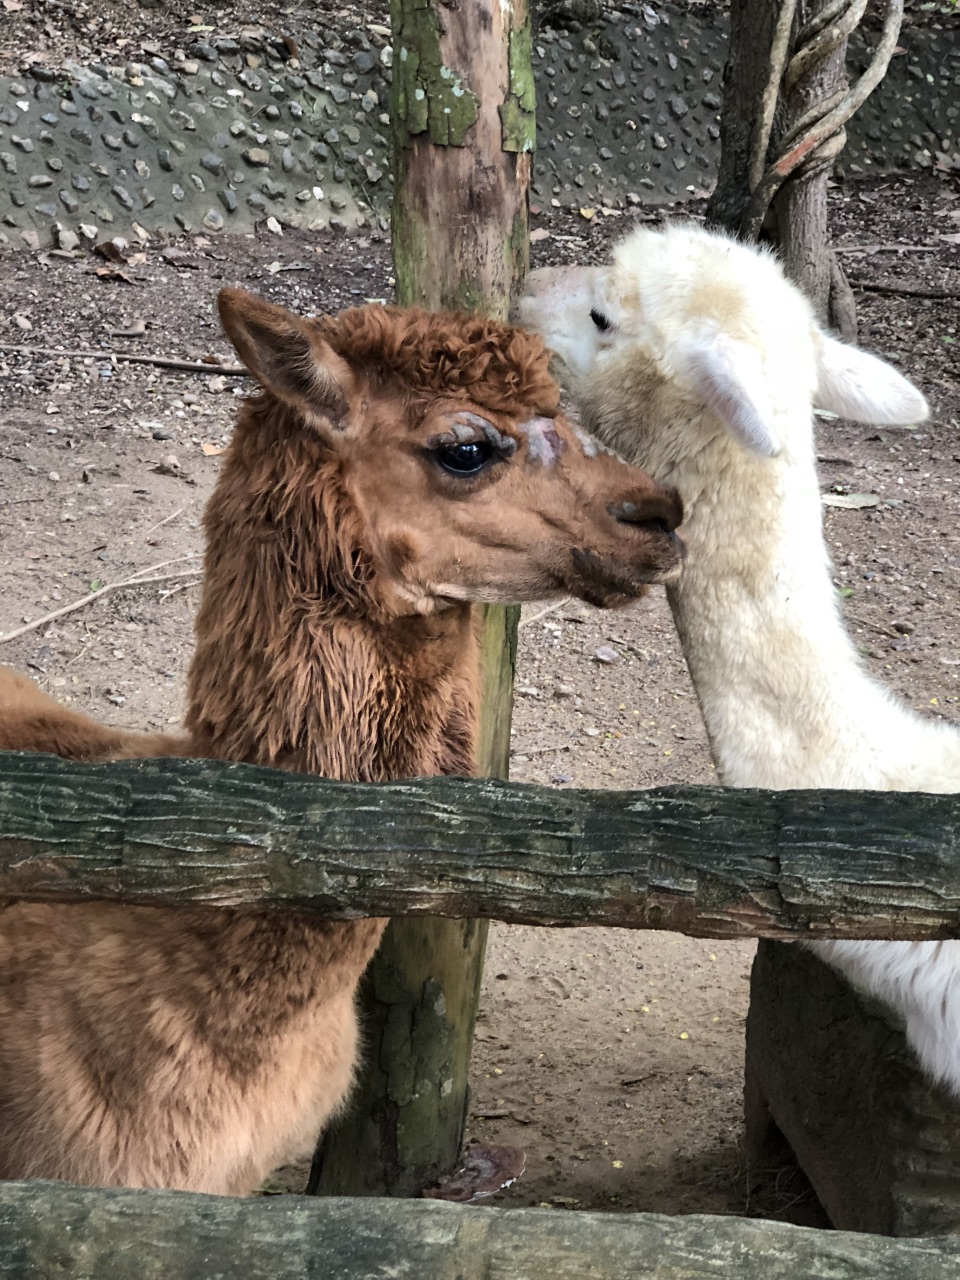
(711, 862)
(75, 1233)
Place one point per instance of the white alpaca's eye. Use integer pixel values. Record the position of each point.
(600, 320)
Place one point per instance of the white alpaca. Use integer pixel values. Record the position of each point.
(696, 359)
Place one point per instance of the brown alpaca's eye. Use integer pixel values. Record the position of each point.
(465, 459)
(600, 320)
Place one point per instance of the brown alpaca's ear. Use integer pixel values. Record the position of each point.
(287, 357)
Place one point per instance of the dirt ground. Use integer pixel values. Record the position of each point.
(614, 1059)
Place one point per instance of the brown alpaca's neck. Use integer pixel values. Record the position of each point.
(296, 663)
(295, 666)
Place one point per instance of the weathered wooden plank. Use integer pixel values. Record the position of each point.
(829, 1072)
(73, 1233)
(712, 862)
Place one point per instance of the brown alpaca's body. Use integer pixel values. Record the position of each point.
(337, 636)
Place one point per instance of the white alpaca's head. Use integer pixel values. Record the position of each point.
(692, 344)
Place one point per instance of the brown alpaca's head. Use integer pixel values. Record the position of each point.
(442, 460)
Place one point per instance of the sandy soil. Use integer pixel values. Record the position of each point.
(614, 1059)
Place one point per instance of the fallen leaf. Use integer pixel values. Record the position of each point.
(134, 329)
(485, 1171)
(113, 250)
(605, 654)
(211, 450)
(540, 233)
(180, 257)
(114, 273)
(953, 238)
(853, 501)
(587, 213)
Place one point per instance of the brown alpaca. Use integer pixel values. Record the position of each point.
(397, 467)
(32, 721)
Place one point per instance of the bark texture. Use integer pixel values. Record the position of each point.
(752, 25)
(77, 1233)
(800, 207)
(830, 1071)
(707, 861)
(463, 109)
(795, 142)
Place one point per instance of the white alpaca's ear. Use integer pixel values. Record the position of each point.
(864, 388)
(729, 376)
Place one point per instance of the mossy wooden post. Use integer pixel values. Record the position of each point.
(462, 108)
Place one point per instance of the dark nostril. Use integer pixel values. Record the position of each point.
(662, 513)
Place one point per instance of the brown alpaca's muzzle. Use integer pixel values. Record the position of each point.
(647, 550)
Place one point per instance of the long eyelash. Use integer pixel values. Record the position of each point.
(599, 319)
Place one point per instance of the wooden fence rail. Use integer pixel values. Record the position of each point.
(706, 861)
(77, 1233)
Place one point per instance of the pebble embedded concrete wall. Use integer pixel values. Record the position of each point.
(227, 135)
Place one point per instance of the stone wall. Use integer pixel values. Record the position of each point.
(227, 135)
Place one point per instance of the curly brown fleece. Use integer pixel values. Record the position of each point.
(434, 354)
(198, 1049)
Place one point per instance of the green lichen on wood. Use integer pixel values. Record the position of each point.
(518, 114)
(428, 96)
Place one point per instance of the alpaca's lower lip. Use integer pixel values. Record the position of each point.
(668, 575)
(595, 575)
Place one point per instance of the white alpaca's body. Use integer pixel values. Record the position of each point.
(696, 359)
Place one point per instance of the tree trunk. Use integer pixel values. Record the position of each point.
(463, 106)
(751, 35)
(797, 220)
(800, 206)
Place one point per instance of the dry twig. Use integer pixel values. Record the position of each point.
(162, 362)
(137, 579)
(166, 520)
(551, 608)
(908, 290)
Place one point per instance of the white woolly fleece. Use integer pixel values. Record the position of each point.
(696, 359)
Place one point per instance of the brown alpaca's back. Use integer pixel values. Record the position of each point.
(32, 721)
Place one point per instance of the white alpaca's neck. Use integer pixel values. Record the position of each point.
(780, 684)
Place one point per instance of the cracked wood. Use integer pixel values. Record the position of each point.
(710, 862)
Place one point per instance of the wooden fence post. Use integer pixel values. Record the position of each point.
(462, 108)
